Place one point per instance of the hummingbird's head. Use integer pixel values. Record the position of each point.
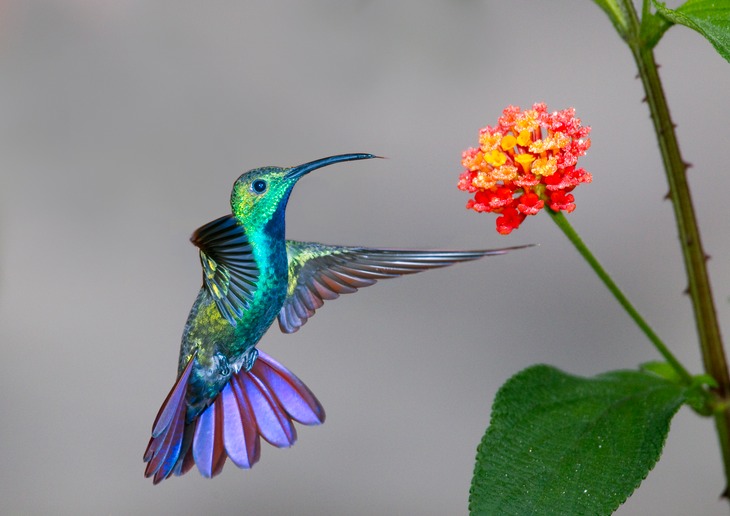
(259, 194)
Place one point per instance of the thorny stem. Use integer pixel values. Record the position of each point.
(713, 353)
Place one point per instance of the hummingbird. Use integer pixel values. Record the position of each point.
(228, 394)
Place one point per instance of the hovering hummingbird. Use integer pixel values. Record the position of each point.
(228, 394)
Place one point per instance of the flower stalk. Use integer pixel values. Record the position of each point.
(575, 239)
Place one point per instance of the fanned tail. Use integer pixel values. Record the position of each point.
(262, 402)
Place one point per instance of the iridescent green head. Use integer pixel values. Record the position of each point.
(260, 193)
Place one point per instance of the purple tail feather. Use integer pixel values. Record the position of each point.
(264, 401)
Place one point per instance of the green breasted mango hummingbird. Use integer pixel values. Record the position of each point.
(228, 394)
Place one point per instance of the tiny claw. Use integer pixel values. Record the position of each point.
(222, 364)
(250, 359)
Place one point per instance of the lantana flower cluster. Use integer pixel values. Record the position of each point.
(527, 160)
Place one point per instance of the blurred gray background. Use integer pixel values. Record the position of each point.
(123, 125)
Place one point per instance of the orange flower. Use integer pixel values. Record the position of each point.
(526, 161)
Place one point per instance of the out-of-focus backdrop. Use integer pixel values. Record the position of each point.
(123, 125)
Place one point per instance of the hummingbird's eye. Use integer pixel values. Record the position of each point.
(258, 186)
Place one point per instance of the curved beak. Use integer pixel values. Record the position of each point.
(306, 168)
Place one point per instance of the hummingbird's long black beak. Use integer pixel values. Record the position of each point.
(306, 168)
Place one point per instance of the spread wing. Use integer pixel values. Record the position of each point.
(229, 269)
(320, 272)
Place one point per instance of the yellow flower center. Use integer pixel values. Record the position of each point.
(508, 142)
(524, 160)
(495, 158)
(524, 138)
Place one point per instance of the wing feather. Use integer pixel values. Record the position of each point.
(230, 271)
(318, 272)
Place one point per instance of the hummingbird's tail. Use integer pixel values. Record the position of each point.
(263, 401)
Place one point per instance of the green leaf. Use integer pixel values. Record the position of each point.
(616, 14)
(561, 444)
(662, 369)
(711, 18)
(695, 395)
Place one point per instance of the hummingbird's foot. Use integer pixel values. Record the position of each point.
(225, 367)
(249, 358)
(222, 364)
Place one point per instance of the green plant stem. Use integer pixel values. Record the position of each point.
(575, 239)
(713, 353)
